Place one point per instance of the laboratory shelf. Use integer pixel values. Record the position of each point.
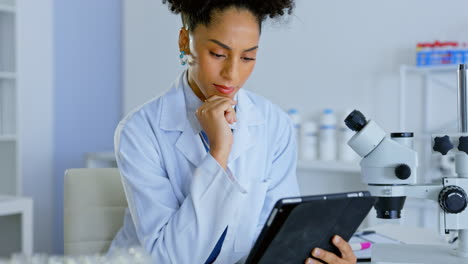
(429, 69)
(440, 77)
(329, 166)
(7, 138)
(7, 75)
(11, 205)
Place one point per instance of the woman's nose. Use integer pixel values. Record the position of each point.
(230, 70)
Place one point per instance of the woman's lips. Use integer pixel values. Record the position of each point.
(224, 89)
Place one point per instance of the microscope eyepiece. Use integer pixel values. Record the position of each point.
(356, 121)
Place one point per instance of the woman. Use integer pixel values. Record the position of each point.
(203, 165)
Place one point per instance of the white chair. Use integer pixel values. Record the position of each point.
(94, 206)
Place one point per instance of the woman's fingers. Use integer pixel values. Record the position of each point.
(229, 112)
(231, 117)
(215, 98)
(345, 248)
(219, 105)
(326, 256)
(214, 102)
(347, 254)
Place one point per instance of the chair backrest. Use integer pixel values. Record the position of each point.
(94, 206)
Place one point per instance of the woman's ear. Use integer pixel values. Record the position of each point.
(184, 41)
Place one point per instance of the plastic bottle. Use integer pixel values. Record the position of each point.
(420, 55)
(423, 57)
(465, 52)
(327, 142)
(296, 119)
(455, 54)
(309, 141)
(345, 152)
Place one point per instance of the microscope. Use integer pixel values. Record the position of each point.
(389, 168)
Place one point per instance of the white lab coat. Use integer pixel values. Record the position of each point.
(180, 199)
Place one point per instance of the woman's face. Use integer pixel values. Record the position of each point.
(222, 54)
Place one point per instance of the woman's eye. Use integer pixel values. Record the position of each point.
(247, 59)
(217, 55)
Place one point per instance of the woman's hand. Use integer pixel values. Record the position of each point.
(214, 116)
(347, 253)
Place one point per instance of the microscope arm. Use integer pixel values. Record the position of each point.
(429, 191)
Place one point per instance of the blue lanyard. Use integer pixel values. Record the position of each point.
(204, 139)
(217, 249)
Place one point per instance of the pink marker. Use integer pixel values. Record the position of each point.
(360, 246)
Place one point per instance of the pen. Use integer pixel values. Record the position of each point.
(364, 233)
(360, 246)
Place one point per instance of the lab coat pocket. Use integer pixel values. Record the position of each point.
(249, 216)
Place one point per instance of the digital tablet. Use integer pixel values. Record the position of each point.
(299, 224)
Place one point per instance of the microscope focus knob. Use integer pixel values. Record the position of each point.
(442, 144)
(403, 171)
(463, 144)
(452, 199)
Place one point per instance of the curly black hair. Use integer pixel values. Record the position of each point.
(195, 12)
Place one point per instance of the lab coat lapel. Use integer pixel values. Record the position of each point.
(244, 136)
(190, 145)
(174, 118)
(243, 141)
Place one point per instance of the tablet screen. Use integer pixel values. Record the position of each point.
(295, 228)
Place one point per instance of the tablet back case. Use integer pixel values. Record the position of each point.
(319, 220)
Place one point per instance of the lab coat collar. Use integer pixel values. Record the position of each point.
(174, 118)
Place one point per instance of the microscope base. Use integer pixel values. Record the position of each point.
(412, 254)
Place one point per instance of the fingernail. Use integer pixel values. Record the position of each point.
(336, 239)
(309, 261)
(317, 252)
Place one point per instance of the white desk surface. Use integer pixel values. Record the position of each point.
(409, 234)
(13, 204)
(422, 246)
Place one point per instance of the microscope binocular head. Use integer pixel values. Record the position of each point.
(387, 163)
